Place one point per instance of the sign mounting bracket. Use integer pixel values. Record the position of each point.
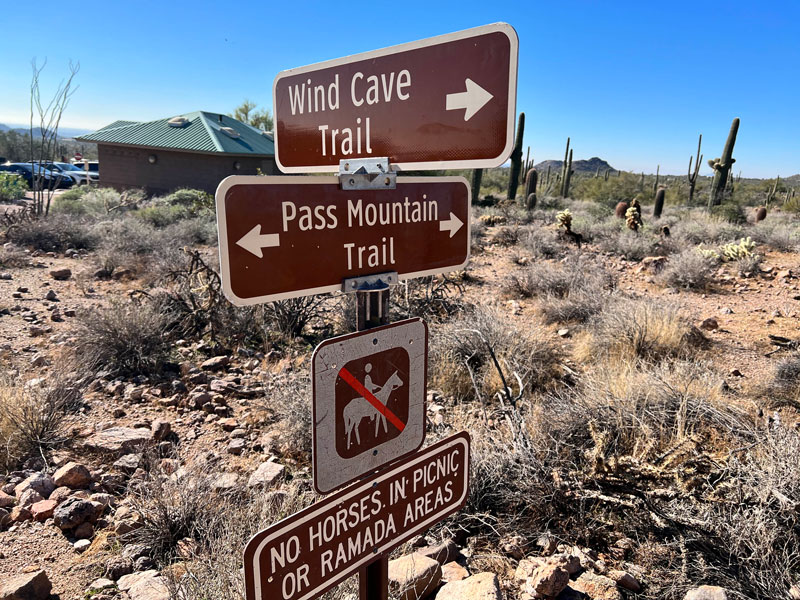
(367, 174)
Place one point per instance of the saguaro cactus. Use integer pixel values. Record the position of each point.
(691, 177)
(655, 183)
(564, 170)
(567, 177)
(722, 166)
(530, 188)
(477, 176)
(516, 159)
(659, 205)
(773, 192)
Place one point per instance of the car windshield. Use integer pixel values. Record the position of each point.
(66, 166)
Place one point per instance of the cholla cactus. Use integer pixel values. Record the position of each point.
(709, 253)
(633, 219)
(744, 249)
(564, 219)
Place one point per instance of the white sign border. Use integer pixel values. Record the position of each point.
(222, 232)
(484, 163)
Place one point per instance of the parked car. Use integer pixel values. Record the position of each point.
(46, 179)
(78, 175)
(94, 166)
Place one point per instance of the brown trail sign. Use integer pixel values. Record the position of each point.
(283, 237)
(368, 400)
(441, 103)
(311, 551)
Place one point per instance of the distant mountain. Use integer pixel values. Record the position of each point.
(63, 132)
(579, 166)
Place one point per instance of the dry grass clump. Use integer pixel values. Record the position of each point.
(780, 235)
(634, 246)
(700, 228)
(543, 242)
(784, 388)
(472, 355)
(129, 337)
(14, 258)
(639, 329)
(34, 415)
(690, 270)
(54, 234)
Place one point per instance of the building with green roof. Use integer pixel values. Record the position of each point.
(194, 150)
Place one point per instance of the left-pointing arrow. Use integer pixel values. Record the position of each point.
(253, 241)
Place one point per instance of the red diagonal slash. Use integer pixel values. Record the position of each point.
(369, 397)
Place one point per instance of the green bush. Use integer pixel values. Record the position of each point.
(162, 214)
(616, 189)
(12, 187)
(195, 199)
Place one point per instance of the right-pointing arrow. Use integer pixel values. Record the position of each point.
(253, 241)
(453, 224)
(473, 99)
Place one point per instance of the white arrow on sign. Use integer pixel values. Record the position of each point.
(474, 99)
(453, 224)
(253, 241)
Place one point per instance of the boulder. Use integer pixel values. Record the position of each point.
(29, 498)
(413, 576)
(482, 586)
(626, 581)
(236, 446)
(43, 484)
(6, 500)
(147, 585)
(597, 587)
(266, 474)
(442, 553)
(19, 514)
(706, 592)
(61, 274)
(27, 586)
(73, 512)
(60, 494)
(215, 363)
(43, 509)
(547, 581)
(453, 571)
(72, 475)
(527, 567)
(118, 440)
(160, 429)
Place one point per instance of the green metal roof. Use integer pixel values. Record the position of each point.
(202, 133)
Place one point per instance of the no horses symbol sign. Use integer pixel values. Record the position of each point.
(369, 400)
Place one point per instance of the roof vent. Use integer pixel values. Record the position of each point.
(230, 132)
(178, 122)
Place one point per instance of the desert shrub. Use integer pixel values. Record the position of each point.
(194, 231)
(632, 245)
(543, 242)
(80, 201)
(690, 270)
(630, 329)
(161, 214)
(787, 372)
(435, 297)
(730, 212)
(559, 280)
(12, 187)
(35, 416)
(473, 346)
(616, 189)
(702, 229)
(507, 236)
(14, 258)
(197, 200)
(129, 338)
(54, 234)
(290, 317)
(748, 266)
(286, 404)
(778, 235)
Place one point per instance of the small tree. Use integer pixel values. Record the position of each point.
(43, 149)
(247, 112)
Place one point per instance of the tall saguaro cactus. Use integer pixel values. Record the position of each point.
(531, 180)
(567, 176)
(691, 177)
(477, 177)
(516, 159)
(659, 204)
(722, 166)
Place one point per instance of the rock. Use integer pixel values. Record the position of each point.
(453, 571)
(548, 581)
(216, 363)
(43, 484)
(73, 512)
(569, 594)
(81, 545)
(706, 592)
(442, 553)
(27, 586)
(117, 567)
(527, 567)
(225, 481)
(229, 424)
(709, 324)
(413, 576)
(160, 429)
(597, 587)
(73, 475)
(6, 500)
(266, 474)
(61, 274)
(625, 581)
(5, 518)
(236, 446)
(652, 264)
(726, 310)
(84, 531)
(19, 514)
(29, 498)
(118, 440)
(43, 510)
(101, 584)
(51, 296)
(128, 463)
(147, 585)
(482, 586)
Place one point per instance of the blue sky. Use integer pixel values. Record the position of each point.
(631, 82)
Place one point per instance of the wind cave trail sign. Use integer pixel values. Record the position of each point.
(310, 552)
(443, 102)
(368, 401)
(284, 237)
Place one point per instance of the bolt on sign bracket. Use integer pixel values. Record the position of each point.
(367, 174)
